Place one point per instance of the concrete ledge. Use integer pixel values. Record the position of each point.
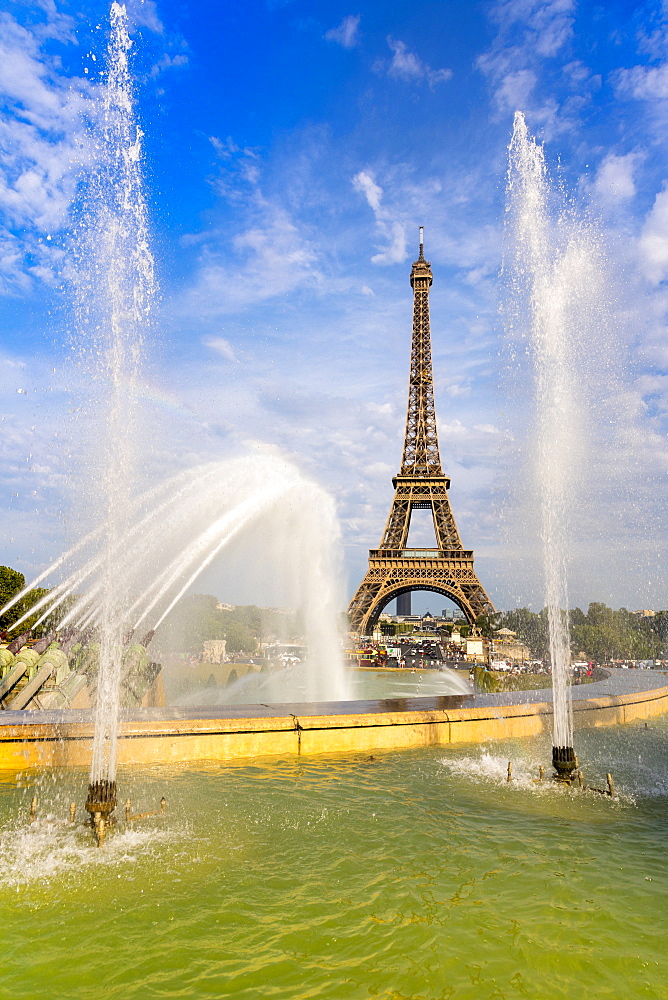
(173, 736)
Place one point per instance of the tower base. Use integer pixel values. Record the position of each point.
(393, 573)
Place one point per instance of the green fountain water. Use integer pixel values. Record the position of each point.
(416, 875)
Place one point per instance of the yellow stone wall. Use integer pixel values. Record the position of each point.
(196, 740)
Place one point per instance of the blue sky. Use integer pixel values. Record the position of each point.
(291, 151)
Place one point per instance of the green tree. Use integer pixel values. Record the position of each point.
(197, 619)
(11, 582)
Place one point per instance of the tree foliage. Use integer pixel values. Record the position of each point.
(197, 619)
(601, 633)
(11, 582)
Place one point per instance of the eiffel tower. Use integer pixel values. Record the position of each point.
(395, 570)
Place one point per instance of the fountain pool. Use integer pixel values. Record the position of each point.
(418, 875)
(292, 684)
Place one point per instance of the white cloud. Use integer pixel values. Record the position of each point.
(515, 91)
(169, 62)
(406, 65)
(644, 83)
(269, 259)
(145, 13)
(220, 346)
(390, 229)
(395, 252)
(458, 389)
(365, 183)
(347, 33)
(614, 181)
(262, 255)
(43, 145)
(530, 34)
(553, 25)
(653, 242)
(550, 22)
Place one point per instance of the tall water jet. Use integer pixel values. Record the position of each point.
(550, 256)
(115, 286)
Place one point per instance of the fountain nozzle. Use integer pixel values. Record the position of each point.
(101, 798)
(101, 803)
(564, 762)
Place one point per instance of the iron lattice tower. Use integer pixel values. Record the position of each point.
(395, 569)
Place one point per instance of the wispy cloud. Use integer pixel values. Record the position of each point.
(391, 229)
(408, 66)
(265, 260)
(548, 24)
(145, 14)
(615, 179)
(220, 346)
(43, 144)
(346, 33)
(268, 255)
(531, 36)
(653, 242)
(169, 62)
(644, 83)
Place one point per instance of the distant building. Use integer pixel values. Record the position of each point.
(214, 651)
(476, 649)
(404, 604)
(644, 614)
(225, 607)
(506, 646)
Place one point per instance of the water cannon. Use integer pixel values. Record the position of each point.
(16, 644)
(70, 639)
(43, 644)
(87, 635)
(147, 638)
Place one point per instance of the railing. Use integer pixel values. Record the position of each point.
(421, 553)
